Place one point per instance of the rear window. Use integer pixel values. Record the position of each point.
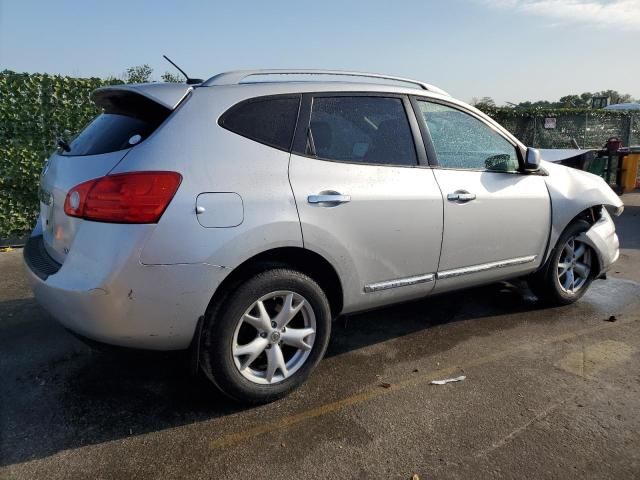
(269, 120)
(128, 119)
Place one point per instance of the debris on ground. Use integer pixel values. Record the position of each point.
(6, 249)
(448, 380)
(415, 477)
(385, 385)
(415, 370)
(612, 318)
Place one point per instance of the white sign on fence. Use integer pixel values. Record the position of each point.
(550, 122)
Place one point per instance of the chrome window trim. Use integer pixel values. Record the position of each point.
(483, 267)
(399, 282)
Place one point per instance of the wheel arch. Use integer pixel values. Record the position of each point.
(298, 258)
(574, 192)
(593, 215)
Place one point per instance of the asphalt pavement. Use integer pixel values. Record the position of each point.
(549, 393)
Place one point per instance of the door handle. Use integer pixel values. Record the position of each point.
(332, 199)
(461, 197)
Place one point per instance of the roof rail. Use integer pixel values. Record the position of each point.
(236, 77)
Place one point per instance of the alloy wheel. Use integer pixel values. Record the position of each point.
(274, 337)
(574, 266)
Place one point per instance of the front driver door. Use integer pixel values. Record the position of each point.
(365, 203)
(496, 219)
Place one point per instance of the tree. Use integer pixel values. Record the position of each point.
(579, 101)
(575, 101)
(171, 77)
(138, 74)
(113, 80)
(483, 102)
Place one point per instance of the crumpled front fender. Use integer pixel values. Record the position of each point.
(573, 191)
(604, 241)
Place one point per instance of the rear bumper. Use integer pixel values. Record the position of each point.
(104, 293)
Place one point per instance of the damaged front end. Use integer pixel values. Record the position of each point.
(577, 194)
(602, 238)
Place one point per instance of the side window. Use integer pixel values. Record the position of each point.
(270, 120)
(463, 141)
(361, 130)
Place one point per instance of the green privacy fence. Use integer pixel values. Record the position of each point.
(564, 128)
(36, 108)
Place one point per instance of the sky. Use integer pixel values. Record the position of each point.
(510, 50)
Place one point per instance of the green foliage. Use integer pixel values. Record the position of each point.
(34, 110)
(579, 101)
(484, 102)
(138, 74)
(171, 77)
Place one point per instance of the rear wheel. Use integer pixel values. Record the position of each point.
(569, 270)
(267, 337)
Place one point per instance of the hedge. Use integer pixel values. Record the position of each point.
(34, 110)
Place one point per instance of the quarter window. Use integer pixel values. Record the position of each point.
(372, 130)
(463, 141)
(270, 120)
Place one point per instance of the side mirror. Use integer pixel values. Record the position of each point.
(532, 161)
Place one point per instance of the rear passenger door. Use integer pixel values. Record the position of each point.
(367, 200)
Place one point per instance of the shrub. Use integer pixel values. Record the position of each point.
(34, 110)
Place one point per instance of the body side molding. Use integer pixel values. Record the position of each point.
(483, 267)
(399, 282)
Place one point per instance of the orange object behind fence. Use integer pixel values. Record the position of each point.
(629, 179)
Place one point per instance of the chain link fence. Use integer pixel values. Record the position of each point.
(571, 130)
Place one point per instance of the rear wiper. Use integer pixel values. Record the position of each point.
(62, 143)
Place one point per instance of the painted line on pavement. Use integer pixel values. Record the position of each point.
(377, 391)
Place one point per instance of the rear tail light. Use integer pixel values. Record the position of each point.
(134, 197)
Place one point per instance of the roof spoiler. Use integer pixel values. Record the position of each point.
(169, 95)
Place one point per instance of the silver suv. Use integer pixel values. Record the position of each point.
(238, 217)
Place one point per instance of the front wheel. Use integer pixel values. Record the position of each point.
(267, 337)
(569, 270)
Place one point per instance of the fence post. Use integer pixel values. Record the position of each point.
(627, 128)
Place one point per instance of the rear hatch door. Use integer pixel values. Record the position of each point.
(130, 115)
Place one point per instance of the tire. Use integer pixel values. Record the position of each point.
(256, 358)
(554, 288)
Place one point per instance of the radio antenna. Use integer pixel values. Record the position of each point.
(190, 81)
